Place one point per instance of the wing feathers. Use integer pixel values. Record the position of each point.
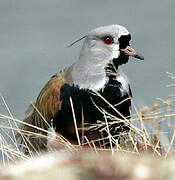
(47, 105)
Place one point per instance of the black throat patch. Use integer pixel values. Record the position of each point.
(123, 58)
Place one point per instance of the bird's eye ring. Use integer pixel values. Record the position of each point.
(108, 40)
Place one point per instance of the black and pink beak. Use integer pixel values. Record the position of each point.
(131, 52)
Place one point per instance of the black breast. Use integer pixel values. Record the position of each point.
(87, 107)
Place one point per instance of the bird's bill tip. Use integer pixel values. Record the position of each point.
(138, 56)
(131, 52)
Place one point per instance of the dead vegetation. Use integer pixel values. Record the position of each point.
(152, 131)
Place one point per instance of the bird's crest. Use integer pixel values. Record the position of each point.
(76, 41)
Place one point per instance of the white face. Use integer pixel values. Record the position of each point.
(106, 38)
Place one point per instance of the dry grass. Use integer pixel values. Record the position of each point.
(152, 130)
(148, 134)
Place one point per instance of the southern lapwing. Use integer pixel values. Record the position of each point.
(90, 91)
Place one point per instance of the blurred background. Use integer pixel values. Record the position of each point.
(34, 35)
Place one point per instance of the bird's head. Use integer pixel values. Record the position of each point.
(102, 46)
(108, 43)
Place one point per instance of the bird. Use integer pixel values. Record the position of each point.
(81, 99)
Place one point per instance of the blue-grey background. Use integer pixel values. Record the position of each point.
(34, 35)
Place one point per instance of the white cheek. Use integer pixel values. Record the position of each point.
(115, 51)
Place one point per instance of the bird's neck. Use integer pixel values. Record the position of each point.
(91, 70)
(91, 76)
(112, 70)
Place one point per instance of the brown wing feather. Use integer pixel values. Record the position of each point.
(48, 101)
(47, 105)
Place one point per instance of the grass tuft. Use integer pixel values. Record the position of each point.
(152, 130)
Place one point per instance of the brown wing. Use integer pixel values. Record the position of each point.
(47, 105)
(48, 101)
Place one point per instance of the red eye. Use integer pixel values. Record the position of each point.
(108, 40)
